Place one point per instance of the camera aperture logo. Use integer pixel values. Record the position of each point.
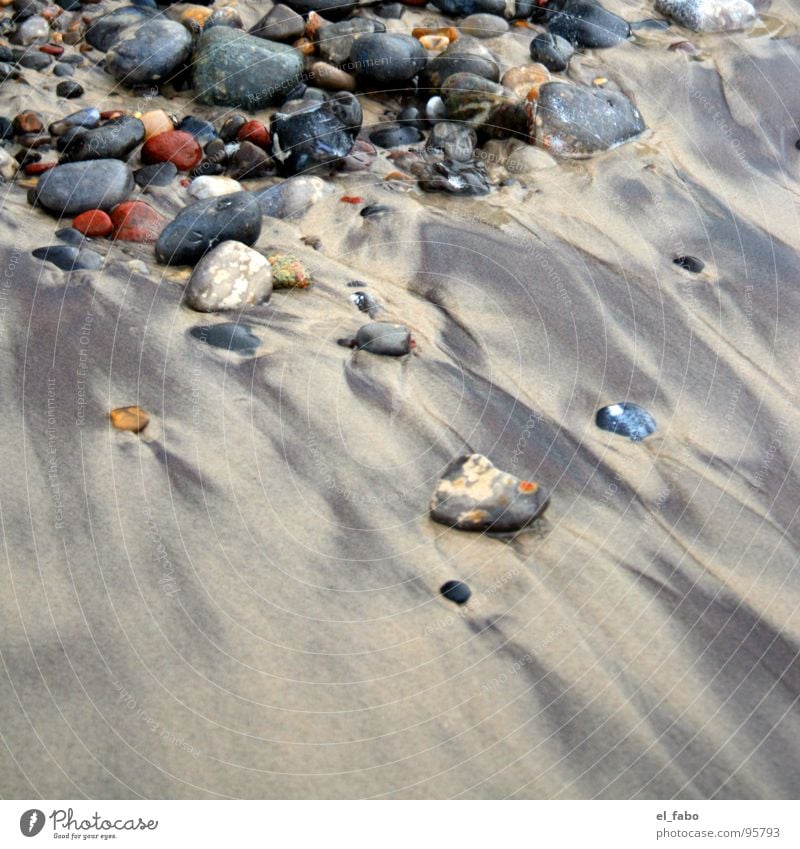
(31, 822)
(68, 827)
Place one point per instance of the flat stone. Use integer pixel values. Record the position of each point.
(77, 186)
(229, 277)
(292, 197)
(626, 419)
(149, 54)
(234, 337)
(381, 337)
(206, 223)
(389, 137)
(69, 257)
(332, 10)
(474, 495)
(279, 24)
(234, 69)
(113, 140)
(464, 8)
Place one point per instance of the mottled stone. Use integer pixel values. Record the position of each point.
(292, 197)
(709, 15)
(288, 272)
(230, 277)
(626, 419)
(552, 51)
(474, 495)
(151, 53)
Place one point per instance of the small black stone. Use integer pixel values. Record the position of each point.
(390, 137)
(70, 236)
(35, 61)
(62, 69)
(158, 175)
(6, 128)
(69, 257)
(456, 591)
(229, 336)
(69, 89)
(203, 131)
(690, 263)
(626, 419)
(375, 210)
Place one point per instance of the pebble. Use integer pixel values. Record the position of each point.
(288, 272)
(482, 25)
(365, 303)
(708, 15)
(175, 146)
(333, 10)
(136, 221)
(94, 223)
(62, 69)
(70, 236)
(292, 197)
(27, 122)
(226, 17)
(250, 162)
(231, 68)
(390, 11)
(206, 223)
(576, 121)
(33, 29)
(585, 23)
(229, 277)
(690, 263)
(69, 257)
(381, 337)
(465, 8)
(279, 24)
(457, 141)
(320, 135)
(151, 53)
(465, 56)
(8, 165)
(77, 186)
(456, 591)
(156, 176)
(626, 419)
(87, 118)
(389, 137)
(337, 40)
(472, 99)
(35, 61)
(202, 188)
(113, 140)
(451, 177)
(381, 59)
(330, 77)
(6, 128)
(106, 30)
(474, 495)
(156, 121)
(552, 51)
(256, 133)
(203, 131)
(229, 336)
(69, 89)
(526, 80)
(134, 419)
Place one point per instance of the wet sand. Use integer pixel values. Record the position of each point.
(243, 600)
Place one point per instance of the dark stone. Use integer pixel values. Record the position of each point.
(150, 54)
(232, 68)
(626, 419)
(455, 178)
(105, 30)
(381, 337)
(364, 303)
(6, 128)
(332, 10)
(159, 175)
(69, 257)
(412, 116)
(35, 61)
(386, 59)
(456, 591)
(474, 495)
(200, 226)
(690, 263)
(230, 129)
(70, 236)
(69, 89)
(390, 11)
(250, 161)
(337, 40)
(552, 51)
(279, 24)
(77, 186)
(203, 131)
(390, 137)
(585, 23)
(463, 8)
(319, 136)
(229, 336)
(375, 210)
(576, 120)
(465, 56)
(113, 140)
(62, 69)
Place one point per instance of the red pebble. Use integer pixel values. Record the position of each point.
(93, 222)
(52, 49)
(175, 146)
(348, 199)
(136, 221)
(32, 169)
(254, 132)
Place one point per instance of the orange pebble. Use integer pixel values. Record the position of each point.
(133, 418)
(350, 199)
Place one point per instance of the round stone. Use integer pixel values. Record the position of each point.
(106, 30)
(175, 146)
(256, 133)
(136, 221)
(552, 51)
(690, 263)
(156, 121)
(381, 337)
(387, 58)
(456, 591)
(69, 89)
(94, 223)
(77, 186)
(151, 53)
(229, 277)
(484, 26)
(626, 419)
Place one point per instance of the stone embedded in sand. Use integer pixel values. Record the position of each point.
(292, 197)
(159, 175)
(389, 137)
(250, 162)
(202, 225)
(77, 186)
(577, 121)
(8, 165)
(113, 140)
(552, 51)
(149, 54)
(387, 59)
(94, 223)
(279, 24)
(136, 221)
(585, 23)
(213, 187)
(456, 591)
(288, 272)
(134, 419)
(27, 122)
(474, 495)
(174, 146)
(232, 68)
(526, 80)
(327, 76)
(69, 257)
(382, 337)
(464, 8)
(456, 141)
(481, 25)
(69, 89)
(709, 15)
(690, 263)
(229, 336)
(626, 419)
(229, 277)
